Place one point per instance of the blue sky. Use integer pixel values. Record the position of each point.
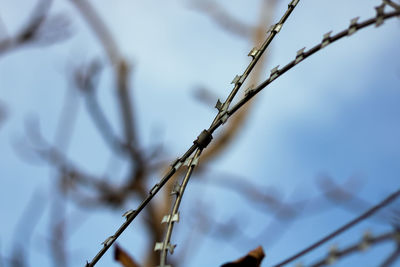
(335, 113)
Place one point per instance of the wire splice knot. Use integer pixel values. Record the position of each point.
(203, 139)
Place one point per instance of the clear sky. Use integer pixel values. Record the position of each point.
(334, 114)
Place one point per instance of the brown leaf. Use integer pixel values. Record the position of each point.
(123, 257)
(252, 259)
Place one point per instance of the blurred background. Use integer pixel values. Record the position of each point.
(98, 97)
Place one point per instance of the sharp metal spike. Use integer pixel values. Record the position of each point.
(366, 241)
(153, 190)
(242, 78)
(171, 248)
(168, 218)
(219, 105)
(128, 213)
(236, 79)
(108, 241)
(333, 255)
(299, 55)
(253, 52)
(176, 164)
(187, 161)
(176, 189)
(379, 15)
(249, 90)
(274, 73)
(276, 28)
(326, 39)
(353, 26)
(293, 3)
(158, 246)
(223, 119)
(195, 161)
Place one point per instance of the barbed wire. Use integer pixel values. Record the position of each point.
(327, 39)
(170, 219)
(224, 114)
(392, 197)
(255, 54)
(367, 241)
(203, 139)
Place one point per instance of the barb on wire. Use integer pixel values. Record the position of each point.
(255, 54)
(205, 137)
(367, 241)
(170, 219)
(392, 197)
(200, 143)
(223, 115)
(301, 54)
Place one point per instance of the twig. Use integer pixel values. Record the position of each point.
(222, 18)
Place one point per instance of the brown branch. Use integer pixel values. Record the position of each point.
(222, 18)
(39, 29)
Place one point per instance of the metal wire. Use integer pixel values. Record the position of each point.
(218, 120)
(392, 197)
(367, 241)
(224, 114)
(301, 54)
(256, 55)
(173, 217)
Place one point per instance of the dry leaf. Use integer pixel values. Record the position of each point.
(123, 257)
(252, 259)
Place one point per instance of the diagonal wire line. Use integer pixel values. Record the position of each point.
(301, 55)
(256, 55)
(174, 216)
(343, 228)
(218, 121)
(222, 108)
(366, 242)
(224, 114)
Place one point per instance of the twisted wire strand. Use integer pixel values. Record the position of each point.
(222, 108)
(170, 219)
(256, 55)
(366, 242)
(392, 197)
(354, 26)
(218, 121)
(131, 214)
(224, 114)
